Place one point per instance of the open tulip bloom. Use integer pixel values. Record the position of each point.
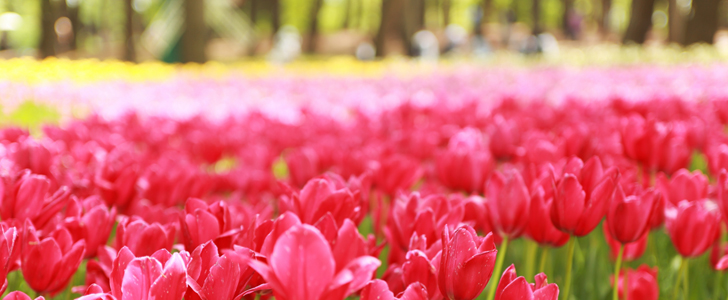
(417, 188)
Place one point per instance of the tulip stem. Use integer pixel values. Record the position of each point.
(617, 267)
(679, 278)
(569, 264)
(717, 285)
(686, 283)
(498, 266)
(544, 256)
(531, 248)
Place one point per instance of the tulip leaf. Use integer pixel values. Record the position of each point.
(280, 168)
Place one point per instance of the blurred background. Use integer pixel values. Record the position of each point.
(282, 30)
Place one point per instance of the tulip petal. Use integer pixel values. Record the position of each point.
(517, 289)
(139, 277)
(171, 284)
(548, 292)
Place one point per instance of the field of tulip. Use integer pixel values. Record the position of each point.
(383, 181)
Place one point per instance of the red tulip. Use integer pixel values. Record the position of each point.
(642, 283)
(632, 251)
(508, 203)
(504, 137)
(418, 267)
(693, 226)
(29, 199)
(160, 276)
(320, 196)
(513, 287)
(629, 216)
(379, 290)
(302, 266)
(722, 191)
(466, 162)
(142, 238)
(202, 223)
(18, 295)
(215, 277)
(303, 164)
(581, 197)
(98, 271)
(683, 186)
(540, 228)
(719, 256)
(90, 221)
(466, 264)
(117, 177)
(49, 263)
(8, 254)
(94, 292)
(396, 173)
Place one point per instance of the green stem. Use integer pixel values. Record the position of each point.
(680, 272)
(686, 282)
(544, 256)
(498, 266)
(716, 286)
(617, 267)
(531, 248)
(569, 264)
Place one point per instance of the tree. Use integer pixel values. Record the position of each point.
(565, 19)
(604, 16)
(129, 47)
(640, 21)
(313, 26)
(48, 33)
(536, 15)
(703, 22)
(676, 23)
(390, 25)
(194, 37)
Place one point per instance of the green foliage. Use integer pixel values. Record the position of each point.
(31, 115)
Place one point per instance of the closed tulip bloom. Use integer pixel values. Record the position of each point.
(303, 164)
(202, 222)
(418, 267)
(632, 251)
(160, 276)
(302, 266)
(722, 191)
(91, 222)
(9, 251)
(320, 196)
(144, 239)
(582, 195)
(218, 277)
(693, 226)
(642, 284)
(30, 198)
(719, 256)
(396, 173)
(49, 263)
(683, 185)
(629, 216)
(379, 290)
(18, 295)
(540, 228)
(513, 287)
(466, 263)
(466, 162)
(508, 203)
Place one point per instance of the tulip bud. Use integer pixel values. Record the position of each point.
(466, 264)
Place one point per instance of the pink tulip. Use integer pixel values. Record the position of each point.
(142, 238)
(642, 283)
(466, 264)
(90, 221)
(160, 276)
(693, 226)
(215, 277)
(18, 295)
(508, 203)
(512, 287)
(466, 162)
(378, 290)
(49, 263)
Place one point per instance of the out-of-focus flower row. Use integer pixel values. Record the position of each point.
(257, 204)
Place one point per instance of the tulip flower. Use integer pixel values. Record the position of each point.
(302, 266)
(98, 271)
(418, 267)
(722, 191)
(142, 238)
(160, 276)
(117, 177)
(211, 276)
(540, 228)
(719, 256)
(466, 263)
(8, 254)
(18, 295)
(630, 251)
(466, 162)
(379, 290)
(581, 199)
(508, 203)
(396, 173)
(320, 196)
(90, 221)
(303, 165)
(49, 263)
(512, 286)
(693, 226)
(202, 223)
(683, 185)
(29, 199)
(641, 284)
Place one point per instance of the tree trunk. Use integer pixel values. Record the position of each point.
(276, 15)
(414, 20)
(676, 23)
(391, 24)
(565, 22)
(604, 17)
(536, 15)
(129, 48)
(446, 12)
(640, 21)
(194, 37)
(313, 26)
(253, 11)
(48, 37)
(347, 15)
(487, 11)
(703, 22)
(76, 23)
